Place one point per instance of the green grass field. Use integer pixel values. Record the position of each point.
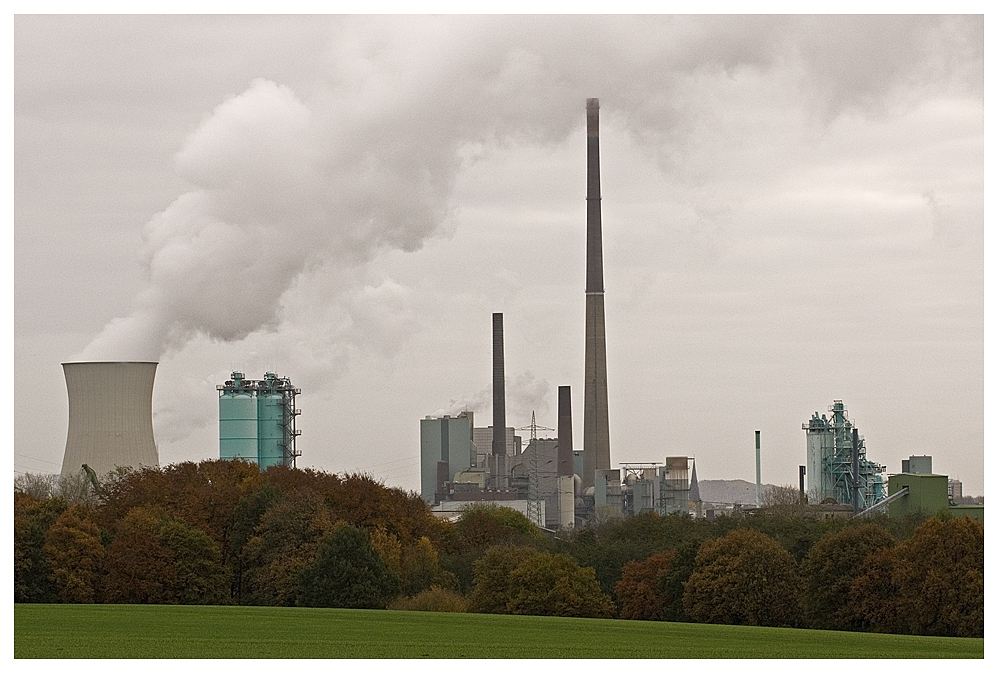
(129, 631)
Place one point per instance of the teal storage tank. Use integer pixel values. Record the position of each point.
(270, 429)
(257, 420)
(237, 423)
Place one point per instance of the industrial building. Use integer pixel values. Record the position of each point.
(560, 486)
(110, 416)
(917, 489)
(257, 420)
(837, 468)
(446, 448)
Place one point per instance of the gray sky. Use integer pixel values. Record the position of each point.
(793, 213)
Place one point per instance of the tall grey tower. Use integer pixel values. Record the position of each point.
(498, 457)
(596, 433)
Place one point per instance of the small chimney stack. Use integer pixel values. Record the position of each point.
(564, 431)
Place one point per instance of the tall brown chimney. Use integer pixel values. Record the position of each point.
(596, 431)
(564, 462)
(498, 460)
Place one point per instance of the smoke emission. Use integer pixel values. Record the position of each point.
(285, 184)
(525, 393)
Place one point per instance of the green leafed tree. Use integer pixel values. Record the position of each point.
(555, 585)
(743, 578)
(832, 565)
(481, 526)
(348, 573)
(199, 577)
(494, 587)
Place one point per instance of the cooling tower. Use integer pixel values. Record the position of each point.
(596, 432)
(110, 416)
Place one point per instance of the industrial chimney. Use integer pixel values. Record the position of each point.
(596, 432)
(110, 416)
(498, 459)
(564, 455)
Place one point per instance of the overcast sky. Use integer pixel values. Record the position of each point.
(792, 207)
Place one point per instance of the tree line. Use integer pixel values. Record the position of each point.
(222, 532)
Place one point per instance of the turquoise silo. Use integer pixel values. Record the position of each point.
(271, 421)
(257, 420)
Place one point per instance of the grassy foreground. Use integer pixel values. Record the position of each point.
(130, 631)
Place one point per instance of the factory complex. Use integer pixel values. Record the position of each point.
(554, 484)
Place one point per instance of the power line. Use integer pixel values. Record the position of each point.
(25, 456)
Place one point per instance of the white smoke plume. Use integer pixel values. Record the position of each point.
(287, 183)
(480, 403)
(525, 393)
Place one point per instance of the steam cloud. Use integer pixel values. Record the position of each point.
(287, 184)
(525, 393)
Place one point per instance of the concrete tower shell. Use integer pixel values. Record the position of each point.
(110, 416)
(596, 430)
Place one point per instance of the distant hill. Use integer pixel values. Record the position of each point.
(728, 491)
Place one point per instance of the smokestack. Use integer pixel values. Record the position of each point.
(499, 407)
(564, 431)
(110, 416)
(801, 485)
(759, 483)
(596, 432)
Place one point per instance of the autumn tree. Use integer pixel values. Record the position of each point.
(419, 567)
(388, 547)
(39, 486)
(160, 559)
(74, 556)
(32, 519)
(555, 585)
(673, 582)
(140, 568)
(743, 578)
(931, 584)
(832, 565)
(347, 573)
(638, 591)
(205, 495)
(284, 543)
(437, 599)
